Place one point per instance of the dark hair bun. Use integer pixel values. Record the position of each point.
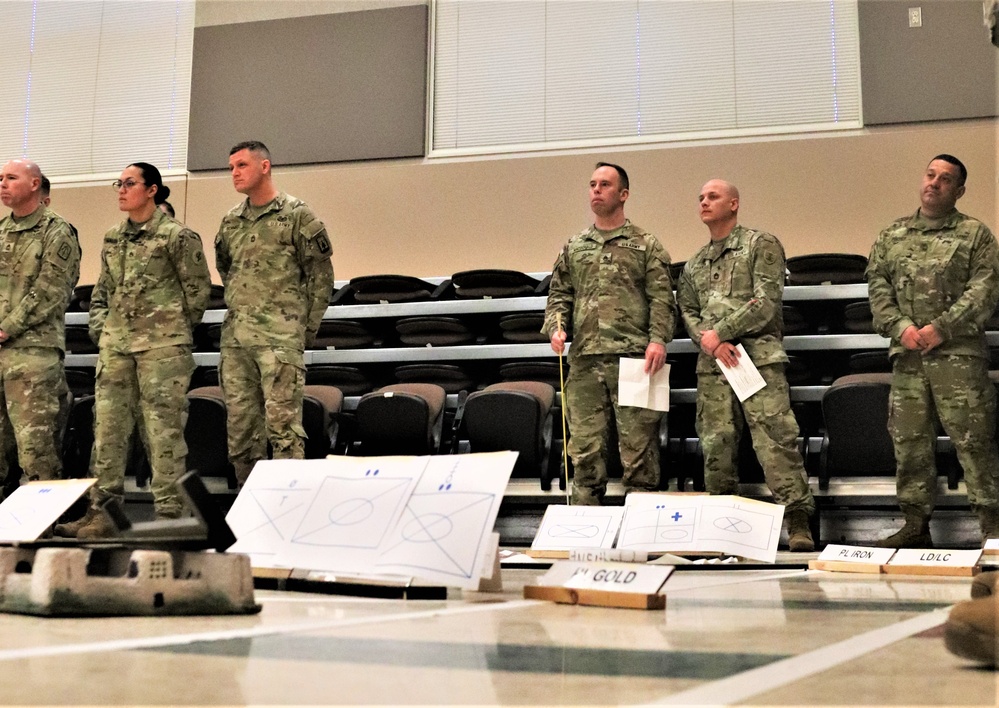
(162, 194)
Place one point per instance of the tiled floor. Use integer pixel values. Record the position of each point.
(757, 637)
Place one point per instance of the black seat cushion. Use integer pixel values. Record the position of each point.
(523, 327)
(390, 288)
(488, 283)
(433, 331)
(450, 377)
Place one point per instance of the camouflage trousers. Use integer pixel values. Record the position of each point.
(33, 396)
(150, 388)
(774, 431)
(958, 390)
(263, 396)
(592, 408)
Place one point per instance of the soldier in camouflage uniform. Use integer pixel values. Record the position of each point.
(730, 292)
(274, 258)
(152, 290)
(933, 279)
(39, 267)
(611, 287)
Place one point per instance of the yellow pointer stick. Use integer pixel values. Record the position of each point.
(565, 440)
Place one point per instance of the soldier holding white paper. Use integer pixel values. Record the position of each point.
(730, 293)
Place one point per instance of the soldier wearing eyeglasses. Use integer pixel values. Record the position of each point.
(152, 291)
(39, 267)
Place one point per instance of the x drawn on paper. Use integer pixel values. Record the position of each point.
(748, 528)
(278, 515)
(442, 525)
(352, 513)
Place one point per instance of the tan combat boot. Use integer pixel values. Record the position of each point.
(799, 535)
(100, 526)
(915, 534)
(972, 630)
(69, 530)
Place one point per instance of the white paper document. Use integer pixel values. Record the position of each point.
(641, 390)
(424, 517)
(744, 377)
(35, 506)
(564, 527)
(695, 523)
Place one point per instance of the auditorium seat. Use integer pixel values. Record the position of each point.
(402, 419)
(390, 289)
(78, 441)
(857, 441)
(216, 297)
(320, 417)
(857, 318)
(347, 334)
(451, 377)
(206, 435)
(434, 331)
(349, 379)
(79, 301)
(826, 269)
(492, 282)
(514, 416)
(545, 371)
(78, 340)
(523, 327)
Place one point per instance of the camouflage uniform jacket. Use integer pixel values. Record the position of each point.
(613, 292)
(275, 264)
(946, 275)
(735, 287)
(39, 267)
(153, 287)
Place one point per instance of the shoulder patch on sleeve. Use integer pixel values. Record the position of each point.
(64, 252)
(323, 243)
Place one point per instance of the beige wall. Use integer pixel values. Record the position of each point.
(428, 218)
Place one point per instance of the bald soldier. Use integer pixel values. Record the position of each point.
(273, 255)
(39, 267)
(611, 288)
(731, 292)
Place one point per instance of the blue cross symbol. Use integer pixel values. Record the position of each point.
(676, 516)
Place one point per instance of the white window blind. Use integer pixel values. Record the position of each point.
(92, 86)
(513, 75)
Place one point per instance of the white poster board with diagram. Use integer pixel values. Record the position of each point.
(696, 523)
(422, 517)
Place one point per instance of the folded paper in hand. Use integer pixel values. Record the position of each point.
(639, 389)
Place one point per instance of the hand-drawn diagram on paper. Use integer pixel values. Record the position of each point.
(34, 507)
(698, 523)
(449, 518)
(318, 503)
(567, 527)
(417, 516)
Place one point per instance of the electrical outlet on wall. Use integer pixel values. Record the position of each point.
(915, 17)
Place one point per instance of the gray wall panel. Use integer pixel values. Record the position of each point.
(320, 89)
(945, 69)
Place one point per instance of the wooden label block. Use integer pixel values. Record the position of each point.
(605, 584)
(919, 561)
(852, 559)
